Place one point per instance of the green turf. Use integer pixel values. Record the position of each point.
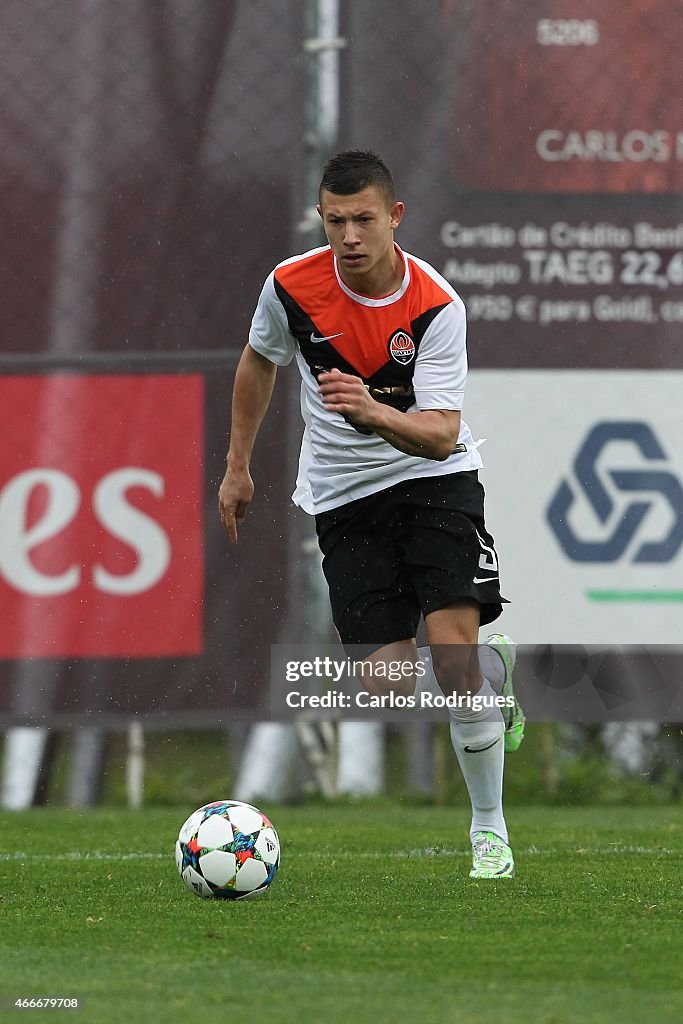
(372, 919)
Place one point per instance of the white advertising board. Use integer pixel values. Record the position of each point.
(584, 496)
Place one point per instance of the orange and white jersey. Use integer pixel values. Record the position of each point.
(408, 347)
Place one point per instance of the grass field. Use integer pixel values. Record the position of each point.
(372, 917)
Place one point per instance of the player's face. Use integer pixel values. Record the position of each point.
(360, 229)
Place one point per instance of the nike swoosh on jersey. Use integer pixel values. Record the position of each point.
(484, 579)
(316, 340)
(478, 750)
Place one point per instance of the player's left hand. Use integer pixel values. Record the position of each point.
(348, 395)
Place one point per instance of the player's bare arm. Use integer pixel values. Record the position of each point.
(429, 434)
(251, 395)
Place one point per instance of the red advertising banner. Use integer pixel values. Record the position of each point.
(540, 158)
(101, 505)
(576, 97)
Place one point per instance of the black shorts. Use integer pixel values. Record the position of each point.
(407, 551)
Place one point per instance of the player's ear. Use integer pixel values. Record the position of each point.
(320, 210)
(396, 214)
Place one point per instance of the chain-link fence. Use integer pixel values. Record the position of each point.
(146, 171)
(147, 174)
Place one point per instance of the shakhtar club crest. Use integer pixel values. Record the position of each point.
(401, 348)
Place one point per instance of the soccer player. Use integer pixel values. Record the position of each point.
(388, 467)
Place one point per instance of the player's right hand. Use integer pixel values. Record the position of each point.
(234, 496)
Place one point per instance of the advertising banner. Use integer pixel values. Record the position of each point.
(101, 549)
(539, 150)
(120, 593)
(584, 483)
(579, 97)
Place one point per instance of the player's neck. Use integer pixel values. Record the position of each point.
(384, 279)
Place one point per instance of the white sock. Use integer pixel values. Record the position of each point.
(477, 738)
(480, 748)
(492, 667)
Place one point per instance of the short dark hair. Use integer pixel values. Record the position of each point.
(354, 170)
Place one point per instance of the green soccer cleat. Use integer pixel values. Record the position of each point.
(513, 717)
(491, 857)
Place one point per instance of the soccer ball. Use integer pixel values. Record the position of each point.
(227, 850)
